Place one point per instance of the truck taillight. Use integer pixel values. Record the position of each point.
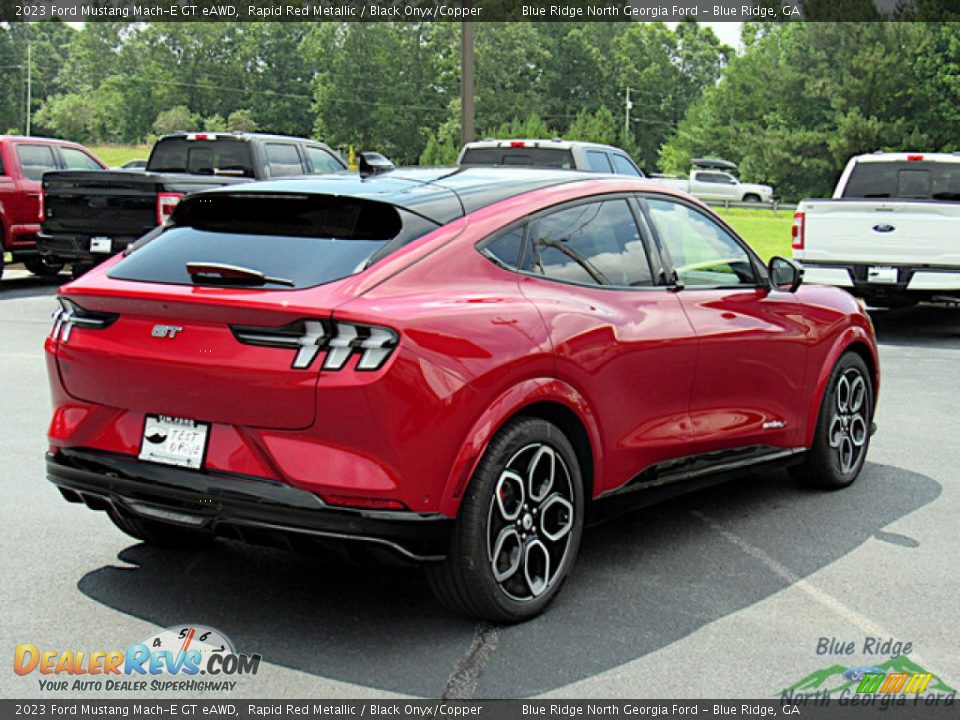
(40, 207)
(797, 230)
(166, 204)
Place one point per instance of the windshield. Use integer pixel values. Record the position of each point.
(519, 156)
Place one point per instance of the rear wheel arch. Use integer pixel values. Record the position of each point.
(544, 398)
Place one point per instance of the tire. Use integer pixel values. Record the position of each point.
(42, 266)
(161, 534)
(510, 553)
(751, 198)
(842, 437)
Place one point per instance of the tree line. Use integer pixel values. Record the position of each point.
(790, 107)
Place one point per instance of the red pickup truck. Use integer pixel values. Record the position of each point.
(23, 161)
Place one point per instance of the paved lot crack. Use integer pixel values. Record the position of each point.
(462, 683)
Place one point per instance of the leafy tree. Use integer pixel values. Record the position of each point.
(241, 121)
(599, 126)
(176, 119)
(215, 123)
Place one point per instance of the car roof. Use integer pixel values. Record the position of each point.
(37, 139)
(908, 157)
(557, 143)
(237, 135)
(440, 194)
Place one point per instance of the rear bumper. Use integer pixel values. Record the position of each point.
(77, 247)
(251, 509)
(910, 278)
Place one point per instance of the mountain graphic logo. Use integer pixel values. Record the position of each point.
(899, 675)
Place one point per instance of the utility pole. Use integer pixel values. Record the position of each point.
(29, 85)
(466, 83)
(628, 106)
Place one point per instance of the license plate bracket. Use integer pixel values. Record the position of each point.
(174, 441)
(882, 275)
(101, 244)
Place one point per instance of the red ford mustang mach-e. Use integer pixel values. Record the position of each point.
(447, 367)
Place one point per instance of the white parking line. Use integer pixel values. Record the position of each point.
(868, 626)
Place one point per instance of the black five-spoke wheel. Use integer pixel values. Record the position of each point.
(842, 435)
(519, 527)
(529, 522)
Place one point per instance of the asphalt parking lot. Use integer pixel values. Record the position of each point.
(722, 593)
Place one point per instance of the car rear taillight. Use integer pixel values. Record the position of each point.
(914, 158)
(70, 315)
(166, 204)
(202, 136)
(797, 230)
(40, 207)
(518, 144)
(341, 340)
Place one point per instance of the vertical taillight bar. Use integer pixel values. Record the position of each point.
(166, 204)
(797, 230)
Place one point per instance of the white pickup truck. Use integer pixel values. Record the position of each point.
(711, 180)
(891, 233)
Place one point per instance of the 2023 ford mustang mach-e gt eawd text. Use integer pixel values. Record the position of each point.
(446, 367)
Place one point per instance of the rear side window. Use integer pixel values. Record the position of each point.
(309, 240)
(623, 166)
(715, 178)
(598, 161)
(595, 243)
(35, 160)
(539, 157)
(910, 180)
(506, 248)
(78, 160)
(202, 157)
(320, 161)
(283, 159)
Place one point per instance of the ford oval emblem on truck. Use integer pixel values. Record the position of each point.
(884, 228)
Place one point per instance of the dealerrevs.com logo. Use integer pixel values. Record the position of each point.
(172, 660)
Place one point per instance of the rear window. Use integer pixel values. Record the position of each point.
(309, 240)
(202, 157)
(539, 157)
(905, 180)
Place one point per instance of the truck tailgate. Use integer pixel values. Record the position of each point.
(91, 203)
(896, 232)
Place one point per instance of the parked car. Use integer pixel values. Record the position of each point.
(136, 164)
(556, 153)
(91, 216)
(889, 234)
(23, 162)
(712, 179)
(447, 367)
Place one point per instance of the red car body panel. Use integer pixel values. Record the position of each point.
(651, 374)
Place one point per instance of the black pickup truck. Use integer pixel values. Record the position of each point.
(89, 216)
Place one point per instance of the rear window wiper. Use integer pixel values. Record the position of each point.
(211, 273)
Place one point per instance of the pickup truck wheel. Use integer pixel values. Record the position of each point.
(751, 198)
(518, 529)
(161, 534)
(42, 266)
(842, 437)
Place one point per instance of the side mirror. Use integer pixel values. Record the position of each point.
(784, 274)
(373, 163)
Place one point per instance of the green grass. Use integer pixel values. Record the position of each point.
(117, 155)
(767, 233)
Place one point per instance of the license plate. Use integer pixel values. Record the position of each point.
(174, 441)
(101, 244)
(884, 275)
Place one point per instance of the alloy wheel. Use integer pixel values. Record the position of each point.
(848, 429)
(529, 522)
